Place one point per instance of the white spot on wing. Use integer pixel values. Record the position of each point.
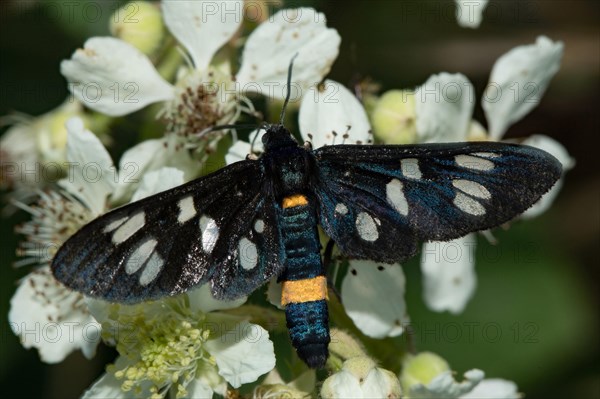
(152, 269)
(410, 168)
(486, 154)
(139, 256)
(187, 210)
(366, 227)
(472, 188)
(259, 226)
(248, 254)
(470, 162)
(341, 209)
(129, 228)
(210, 233)
(395, 196)
(468, 205)
(113, 225)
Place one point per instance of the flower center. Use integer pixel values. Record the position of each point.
(163, 346)
(204, 100)
(55, 218)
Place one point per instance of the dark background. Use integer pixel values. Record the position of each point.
(534, 318)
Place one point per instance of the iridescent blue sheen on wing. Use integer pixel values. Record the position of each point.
(234, 200)
(254, 220)
(425, 192)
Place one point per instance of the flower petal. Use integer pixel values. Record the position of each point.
(92, 175)
(333, 116)
(448, 269)
(493, 388)
(373, 296)
(243, 355)
(274, 292)
(469, 12)
(443, 106)
(237, 152)
(49, 317)
(113, 77)
(202, 27)
(240, 149)
(272, 45)
(553, 147)
(201, 299)
(197, 389)
(360, 378)
(151, 155)
(444, 386)
(518, 81)
(107, 387)
(158, 181)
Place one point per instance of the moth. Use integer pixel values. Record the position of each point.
(256, 219)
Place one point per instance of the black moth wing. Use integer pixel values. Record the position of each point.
(221, 229)
(377, 202)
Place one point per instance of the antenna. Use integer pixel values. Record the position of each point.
(222, 127)
(289, 89)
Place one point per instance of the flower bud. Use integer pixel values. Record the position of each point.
(394, 117)
(140, 24)
(421, 369)
(51, 132)
(477, 132)
(361, 378)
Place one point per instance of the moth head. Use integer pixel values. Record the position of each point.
(278, 136)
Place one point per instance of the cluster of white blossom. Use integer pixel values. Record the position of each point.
(167, 348)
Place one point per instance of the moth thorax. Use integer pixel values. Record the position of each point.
(290, 167)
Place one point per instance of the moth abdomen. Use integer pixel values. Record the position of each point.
(308, 324)
(304, 287)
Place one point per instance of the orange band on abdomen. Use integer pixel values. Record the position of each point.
(294, 200)
(298, 291)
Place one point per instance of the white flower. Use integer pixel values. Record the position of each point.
(273, 386)
(105, 61)
(329, 114)
(33, 150)
(443, 106)
(449, 278)
(113, 77)
(58, 315)
(373, 297)
(51, 318)
(41, 304)
(494, 388)
(443, 111)
(444, 386)
(428, 376)
(469, 12)
(553, 147)
(518, 81)
(176, 346)
(361, 378)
